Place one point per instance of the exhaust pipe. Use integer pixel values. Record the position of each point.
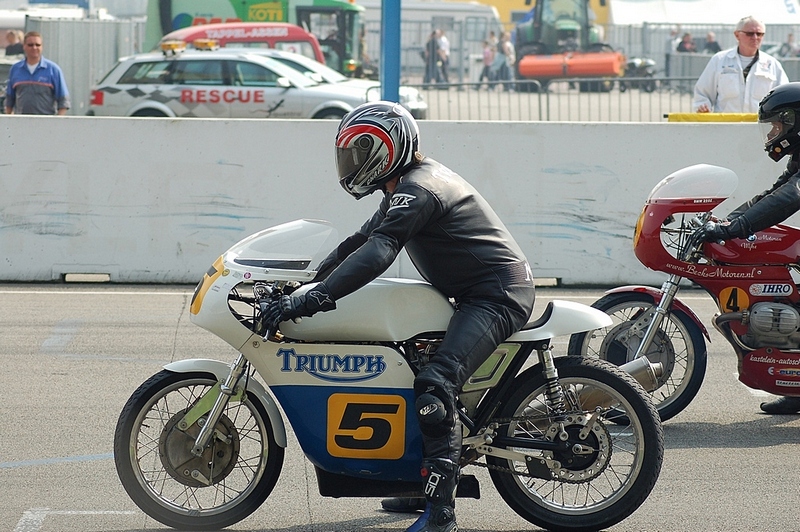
(645, 372)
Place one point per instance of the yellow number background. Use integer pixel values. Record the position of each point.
(366, 426)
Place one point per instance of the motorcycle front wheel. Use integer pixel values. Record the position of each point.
(152, 451)
(614, 467)
(678, 345)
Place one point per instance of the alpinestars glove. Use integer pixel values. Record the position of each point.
(716, 232)
(289, 307)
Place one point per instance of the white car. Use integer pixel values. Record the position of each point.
(220, 83)
(410, 98)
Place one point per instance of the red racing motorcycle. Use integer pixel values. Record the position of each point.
(750, 280)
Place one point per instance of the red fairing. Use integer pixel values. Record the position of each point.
(772, 370)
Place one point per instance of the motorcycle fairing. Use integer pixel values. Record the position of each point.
(355, 431)
(771, 370)
(351, 405)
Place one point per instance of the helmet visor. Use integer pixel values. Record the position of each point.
(350, 159)
(777, 126)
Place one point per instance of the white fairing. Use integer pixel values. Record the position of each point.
(384, 310)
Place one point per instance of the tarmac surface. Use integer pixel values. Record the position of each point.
(73, 354)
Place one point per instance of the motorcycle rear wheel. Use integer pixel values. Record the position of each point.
(679, 346)
(227, 483)
(587, 492)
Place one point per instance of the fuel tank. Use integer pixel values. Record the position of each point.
(779, 244)
(385, 310)
(572, 64)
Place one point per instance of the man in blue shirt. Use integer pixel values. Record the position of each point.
(36, 85)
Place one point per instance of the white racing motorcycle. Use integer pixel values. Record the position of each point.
(571, 443)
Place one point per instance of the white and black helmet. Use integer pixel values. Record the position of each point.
(375, 142)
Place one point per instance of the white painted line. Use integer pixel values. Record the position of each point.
(52, 461)
(33, 519)
(110, 292)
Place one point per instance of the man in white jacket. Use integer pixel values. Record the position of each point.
(737, 79)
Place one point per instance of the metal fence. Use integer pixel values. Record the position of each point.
(569, 100)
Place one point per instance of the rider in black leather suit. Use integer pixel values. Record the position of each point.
(779, 117)
(457, 243)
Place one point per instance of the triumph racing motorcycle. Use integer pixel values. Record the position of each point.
(570, 443)
(750, 280)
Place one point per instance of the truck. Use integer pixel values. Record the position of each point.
(561, 41)
(337, 24)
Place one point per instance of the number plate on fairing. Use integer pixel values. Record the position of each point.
(366, 426)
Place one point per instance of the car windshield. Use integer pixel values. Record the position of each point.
(328, 74)
(296, 77)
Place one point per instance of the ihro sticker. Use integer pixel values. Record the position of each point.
(778, 289)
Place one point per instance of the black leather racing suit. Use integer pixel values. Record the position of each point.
(771, 207)
(459, 245)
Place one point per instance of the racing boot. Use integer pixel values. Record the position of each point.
(404, 504)
(782, 405)
(440, 479)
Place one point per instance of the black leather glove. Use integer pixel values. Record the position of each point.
(289, 307)
(716, 232)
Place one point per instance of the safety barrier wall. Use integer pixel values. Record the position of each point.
(158, 200)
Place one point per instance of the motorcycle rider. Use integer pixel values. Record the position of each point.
(457, 243)
(779, 118)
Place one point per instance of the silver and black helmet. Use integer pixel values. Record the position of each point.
(375, 143)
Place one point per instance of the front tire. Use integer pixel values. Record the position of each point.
(152, 453)
(591, 490)
(678, 345)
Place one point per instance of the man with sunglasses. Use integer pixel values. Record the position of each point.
(36, 85)
(737, 79)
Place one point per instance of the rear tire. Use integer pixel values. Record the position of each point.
(588, 491)
(152, 113)
(330, 114)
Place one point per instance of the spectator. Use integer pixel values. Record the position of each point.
(36, 85)
(444, 54)
(488, 59)
(431, 56)
(14, 45)
(711, 46)
(737, 79)
(789, 48)
(493, 39)
(504, 60)
(686, 44)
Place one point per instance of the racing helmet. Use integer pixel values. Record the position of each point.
(779, 120)
(375, 143)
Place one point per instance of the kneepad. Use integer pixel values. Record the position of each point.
(435, 419)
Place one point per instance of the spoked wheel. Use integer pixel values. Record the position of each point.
(678, 345)
(153, 444)
(606, 470)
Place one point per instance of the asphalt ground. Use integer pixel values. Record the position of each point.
(72, 355)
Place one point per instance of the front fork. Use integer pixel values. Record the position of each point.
(227, 391)
(655, 317)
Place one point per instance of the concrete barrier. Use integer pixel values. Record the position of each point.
(157, 200)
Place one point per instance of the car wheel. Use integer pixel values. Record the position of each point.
(331, 114)
(150, 113)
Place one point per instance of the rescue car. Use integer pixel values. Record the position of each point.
(210, 82)
(410, 97)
